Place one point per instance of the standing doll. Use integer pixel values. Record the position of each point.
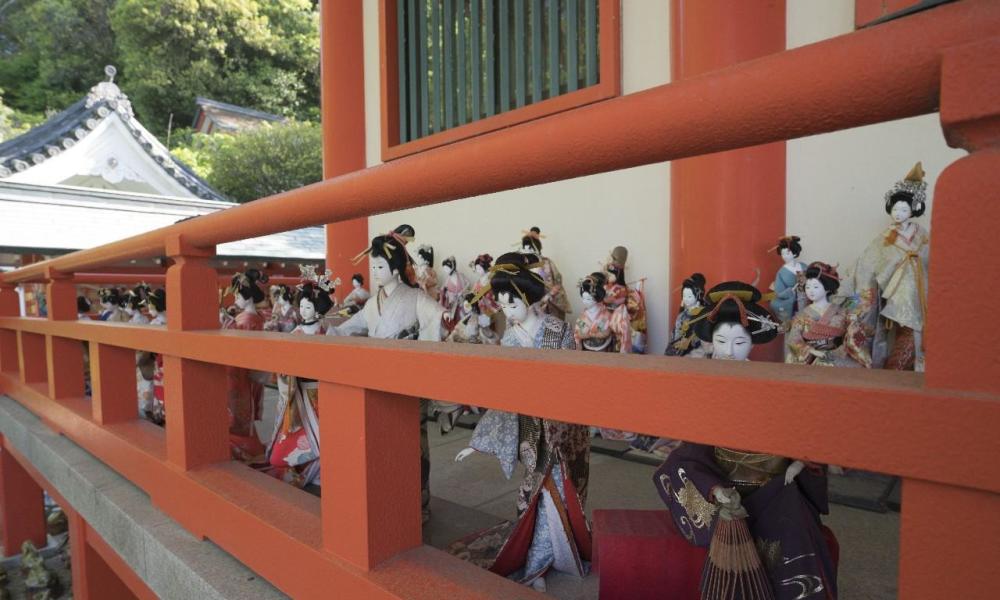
(761, 507)
(555, 301)
(398, 310)
(599, 328)
(284, 316)
(683, 341)
(246, 387)
(787, 286)
(111, 310)
(423, 268)
(356, 299)
(481, 286)
(633, 298)
(156, 305)
(293, 452)
(453, 291)
(890, 280)
(551, 530)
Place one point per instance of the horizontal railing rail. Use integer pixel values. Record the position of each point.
(869, 76)
(362, 538)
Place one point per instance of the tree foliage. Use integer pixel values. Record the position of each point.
(262, 54)
(267, 160)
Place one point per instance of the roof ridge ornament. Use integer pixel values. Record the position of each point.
(108, 91)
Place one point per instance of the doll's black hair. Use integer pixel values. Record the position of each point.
(826, 275)
(449, 263)
(725, 300)
(695, 283)
(394, 252)
(427, 253)
(157, 299)
(533, 241)
(475, 305)
(112, 295)
(917, 208)
(483, 260)
(283, 291)
(618, 271)
(134, 298)
(319, 297)
(249, 288)
(520, 279)
(82, 304)
(792, 242)
(594, 285)
(359, 278)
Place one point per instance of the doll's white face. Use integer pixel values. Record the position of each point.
(420, 260)
(307, 310)
(240, 302)
(815, 290)
(106, 305)
(382, 275)
(730, 341)
(129, 310)
(480, 270)
(513, 308)
(587, 299)
(688, 299)
(355, 283)
(787, 255)
(471, 327)
(901, 211)
(152, 310)
(449, 268)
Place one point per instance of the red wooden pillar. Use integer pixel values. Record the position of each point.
(63, 356)
(371, 448)
(726, 209)
(112, 373)
(343, 113)
(22, 509)
(960, 521)
(195, 392)
(31, 351)
(9, 307)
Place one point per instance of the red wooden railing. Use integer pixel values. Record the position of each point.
(363, 538)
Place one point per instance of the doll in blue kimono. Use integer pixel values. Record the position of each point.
(788, 294)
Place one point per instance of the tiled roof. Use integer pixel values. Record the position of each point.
(66, 128)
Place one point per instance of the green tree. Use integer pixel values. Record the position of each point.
(53, 51)
(258, 53)
(13, 123)
(256, 163)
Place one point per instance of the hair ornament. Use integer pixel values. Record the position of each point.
(786, 240)
(509, 269)
(912, 184)
(387, 246)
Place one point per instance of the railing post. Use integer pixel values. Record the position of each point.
(948, 535)
(371, 462)
(9, 307)
(63, 356)
(22, 509)
(195, 392)
(112, 381)
(31, 353)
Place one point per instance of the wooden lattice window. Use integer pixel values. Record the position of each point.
(456, 68)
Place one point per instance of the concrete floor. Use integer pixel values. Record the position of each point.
(472, 495)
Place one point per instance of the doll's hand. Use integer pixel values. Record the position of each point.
(793, 471)
(727, 497)
(465, 452)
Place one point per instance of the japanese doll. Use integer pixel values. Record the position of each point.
(284, 316)
(246, 387)
(481, 286)
(473, 328)
(356, 298)
(452, 294)
(600, 328)
(131, 305)
(555, 301)
(618, 293)
(293, 451)
(890, 281)
(816, 335)
(83, 308)
(787, 286)
(551, 531)
(151, 364)
(423, 268)
(399, 309)
(111, 309)
(769, 505)
(683, 341)
(131, 308)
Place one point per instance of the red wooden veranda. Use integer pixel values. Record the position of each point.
(938, 431)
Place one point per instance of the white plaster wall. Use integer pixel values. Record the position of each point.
(836, 181)
(582, 218)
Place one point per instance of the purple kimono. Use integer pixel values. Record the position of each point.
(784, 519)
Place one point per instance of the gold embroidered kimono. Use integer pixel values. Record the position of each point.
(818, 339)
(891, 272)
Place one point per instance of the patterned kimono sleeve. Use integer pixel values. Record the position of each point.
(798, 349)
(685, 482)
(497, 434)
(568, 343)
